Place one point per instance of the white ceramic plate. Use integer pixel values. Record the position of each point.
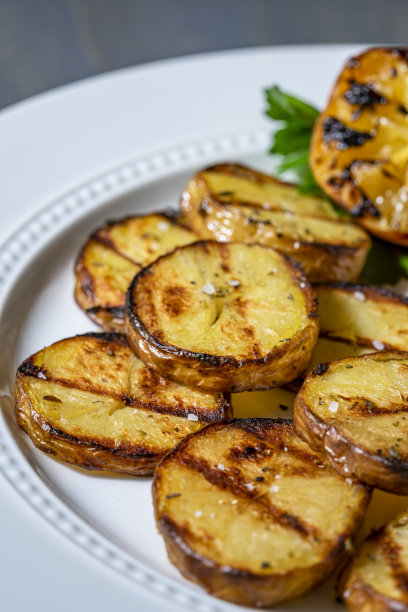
(111, 518)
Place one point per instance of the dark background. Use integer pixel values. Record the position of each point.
(46, 43)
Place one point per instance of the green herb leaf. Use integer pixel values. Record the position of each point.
(284, 107)
(291, 142)
(290, 138)
(403, 263)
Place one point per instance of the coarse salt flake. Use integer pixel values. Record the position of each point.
(234, 283)
(285, 448)
(333, 406)
(249, 486)
(349, 481)
(296, 245)
(163, 226)
(192, 417)
(399, 206)
(359, 295)
(378, 345)
(198, 513)
(41, 375)
(234, 501)
(277, 476)
(208, 288)
(274, 489)
(221, 466)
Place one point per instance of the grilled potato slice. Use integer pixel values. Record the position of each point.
(113, 255)
(376, 578)
(359, 150)
(232, 317)
(357, 319)
(90, 401)
(249, 512)
(355, 410)
(234, 203)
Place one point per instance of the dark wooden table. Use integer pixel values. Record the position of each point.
(46, 43)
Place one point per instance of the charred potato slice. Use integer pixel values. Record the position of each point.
(90, 401)
(356, 319)
(233, 203)
(364, 315)
(113, 255)
(231, 317)
(355, 410)
(237, 184)
(376, 578)
(359, 149)
(268, 519)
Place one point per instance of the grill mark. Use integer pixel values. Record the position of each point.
(125, 449)
(377, 294)
(104, 239)
(240, 305)
(364, 207)
(85, 279)
(256, 350)
(345, 137)
(175, 300)
(238, 171)
(236, 485)
(363, 95)
(276, 438)
(366, 407)
(117, 312)
(392, 553)
(207, 416)
(225, 259)
(357, 341)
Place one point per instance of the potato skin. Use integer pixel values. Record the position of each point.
(375, 578)
(244, 587)
(240, 587)
(203, 211)
(75, 451)
(224, 373)
(101, 451)
(361, 597)
(344, 455)
(113, 254)
(347, 458)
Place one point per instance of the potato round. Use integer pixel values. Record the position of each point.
(249, 512)
(356, 319)
(376, 578)
(90, 401)
(231, 317)
(113, 255)
(359, 149)
(234, 203)
(355, 410)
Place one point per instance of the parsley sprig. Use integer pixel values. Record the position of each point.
(291, 142)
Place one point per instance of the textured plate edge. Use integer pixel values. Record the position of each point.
(15, 253)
